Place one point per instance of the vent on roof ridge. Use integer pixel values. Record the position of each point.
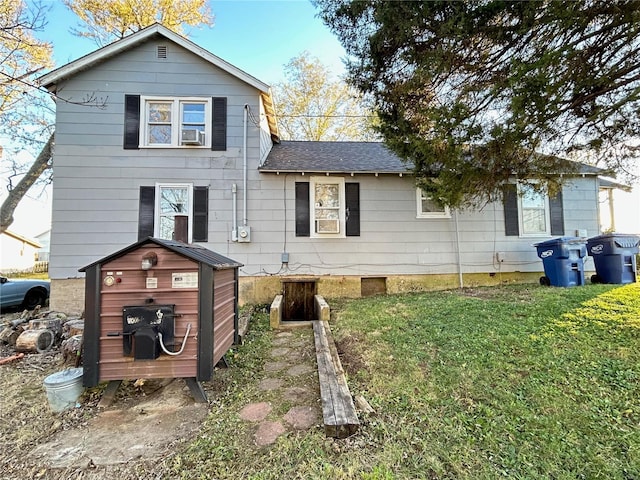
(161, 51)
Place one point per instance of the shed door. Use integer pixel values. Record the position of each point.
(298, 301)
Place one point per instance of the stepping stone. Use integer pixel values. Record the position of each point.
(274, 366)
(295, 394)
(302, 418)
(270, 384)
(281, 341)
(284, 334)
(299, 370)
(268, 432)
(279, 352)
(255, 412)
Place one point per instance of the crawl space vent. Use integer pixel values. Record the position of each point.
(161, 51)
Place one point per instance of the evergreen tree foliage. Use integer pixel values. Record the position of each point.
(475, 93)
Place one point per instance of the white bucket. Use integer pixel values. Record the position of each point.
(64, 388)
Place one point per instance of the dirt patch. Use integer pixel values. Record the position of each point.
(147, 421)
(144, 425)
(350, 356)
(492, 293)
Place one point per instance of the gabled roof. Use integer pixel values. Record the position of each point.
(333, 157)
(193, 252)
(51, 79)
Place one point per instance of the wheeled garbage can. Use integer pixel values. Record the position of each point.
(614, 256)
(563, 260)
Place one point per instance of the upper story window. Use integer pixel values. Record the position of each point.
(327, 207)
(176, 122)
(429, 208)
(533, 209)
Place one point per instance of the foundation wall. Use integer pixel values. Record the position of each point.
(67, 295)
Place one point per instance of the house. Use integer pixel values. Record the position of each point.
(44, 239)
(171, 129)
(17, 253)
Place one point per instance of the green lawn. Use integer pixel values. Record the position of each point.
(515, 382)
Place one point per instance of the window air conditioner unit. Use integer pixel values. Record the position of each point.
(192, 136)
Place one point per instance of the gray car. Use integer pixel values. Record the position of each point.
(23, 293)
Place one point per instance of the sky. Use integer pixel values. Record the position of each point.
(257, 36)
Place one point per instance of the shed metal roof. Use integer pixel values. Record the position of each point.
(194, 252)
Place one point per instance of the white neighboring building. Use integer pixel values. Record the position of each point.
(17, 253)
(44, 239)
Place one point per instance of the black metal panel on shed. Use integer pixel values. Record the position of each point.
(205, 336)
(91, 337)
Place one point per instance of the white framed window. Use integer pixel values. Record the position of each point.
(327, 207)
(175, 122)
(533, 211)
(429, 208)
(172, 199)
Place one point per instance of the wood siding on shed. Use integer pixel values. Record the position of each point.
(132, 291)
(224, 311)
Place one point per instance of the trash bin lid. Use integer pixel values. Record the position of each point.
(622, 240)
(560, 241)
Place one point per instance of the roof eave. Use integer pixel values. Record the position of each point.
(334, 172)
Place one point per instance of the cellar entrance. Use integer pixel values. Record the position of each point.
(298, 301)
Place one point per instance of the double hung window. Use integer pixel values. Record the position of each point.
(175, 122)
(533, 208)
(328, 208)
(429, 208)
(172, 200)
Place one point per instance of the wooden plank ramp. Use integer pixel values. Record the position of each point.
(338, 410)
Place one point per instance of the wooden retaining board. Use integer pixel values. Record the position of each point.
(338, 410)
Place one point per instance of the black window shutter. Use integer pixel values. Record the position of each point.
(145, 212)
(556, 212)
(510, 202)
(200, 214)
(303, 213)
(131, 122)
(219, 124)
(352, 203)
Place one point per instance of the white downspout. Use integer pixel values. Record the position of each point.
(455, 215)
(234, 196)
(244, 166)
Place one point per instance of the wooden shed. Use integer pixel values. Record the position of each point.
(159, 309)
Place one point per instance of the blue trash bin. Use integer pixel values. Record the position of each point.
(614, 256)
(563, 260)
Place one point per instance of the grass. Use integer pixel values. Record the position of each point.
(519, 382)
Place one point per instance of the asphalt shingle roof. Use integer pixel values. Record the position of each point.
(342, 157)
